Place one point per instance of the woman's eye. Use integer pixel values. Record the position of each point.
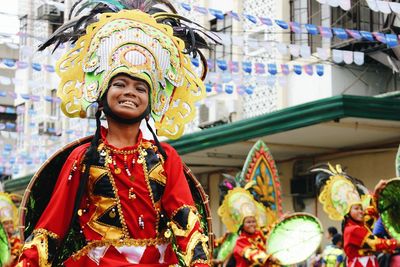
(118, 84)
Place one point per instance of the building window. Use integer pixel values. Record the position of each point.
(54, 106)
(221, 51)
(306, 12)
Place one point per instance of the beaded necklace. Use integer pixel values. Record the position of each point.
(107, 156)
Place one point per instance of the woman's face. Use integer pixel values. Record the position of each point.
(357, 213)
(127, 97)
(9, 227)
(250, 224)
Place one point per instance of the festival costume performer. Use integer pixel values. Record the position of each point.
(9, 220)
(250, 247)
(341, 199)
(133, 204)
(253, 192)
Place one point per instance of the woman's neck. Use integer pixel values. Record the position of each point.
(122, 135)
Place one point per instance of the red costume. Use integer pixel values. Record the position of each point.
(250, 250)
(15, 248)
(122, 214)
(360, 244)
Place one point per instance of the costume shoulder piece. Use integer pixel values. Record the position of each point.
(38, 192)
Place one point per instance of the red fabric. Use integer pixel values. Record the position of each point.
(245, 241)
(355, 236)
(177, 193)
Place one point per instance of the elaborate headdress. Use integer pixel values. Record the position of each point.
(8, 210)
(255, 191)
(339, 191)
(237, 205)
(153, 47)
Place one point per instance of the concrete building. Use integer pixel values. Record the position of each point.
(8, 112)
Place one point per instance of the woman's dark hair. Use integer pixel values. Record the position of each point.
(332, 230)
(344, 221)
(90, 158)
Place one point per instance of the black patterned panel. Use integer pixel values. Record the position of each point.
(163, 222)
(182, 217)
(151, 158)
(52, 247)
(111, 217)
(199, 253)
(103, 187)
(157, 189)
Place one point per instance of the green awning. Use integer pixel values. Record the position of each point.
(19, 184)
(311, 113)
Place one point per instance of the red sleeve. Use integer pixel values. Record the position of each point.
(56, 217)
(363, 238)
(250, 252)
(178, 203)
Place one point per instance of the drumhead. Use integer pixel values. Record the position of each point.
(388, 204)
(294, 238)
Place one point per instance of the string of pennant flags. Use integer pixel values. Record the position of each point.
(391, 40)
(375, 5)
(338, 56)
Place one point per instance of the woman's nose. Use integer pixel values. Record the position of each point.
(129, 90)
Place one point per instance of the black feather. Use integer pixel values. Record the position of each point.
(85, 12)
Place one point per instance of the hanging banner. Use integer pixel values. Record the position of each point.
(217, 13)
(355, 34)
(320, 70)
(392, 40)
(337, 56)
(297, 69)
(340, 33)
(311, 29)
(272, 69)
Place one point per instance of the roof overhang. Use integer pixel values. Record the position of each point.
(325, 126)
(330, 125)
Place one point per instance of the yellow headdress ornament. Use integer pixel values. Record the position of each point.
(8, 210)
(339, 193)
(237, 205)
(131, 42)
(138, 39)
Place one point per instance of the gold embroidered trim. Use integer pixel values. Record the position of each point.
(192, 219)
(200, 261)
(194, 239)
(46, 232)
(119, 243)
(121, 215)
(40, 241)
(146, 177)
(192, 208)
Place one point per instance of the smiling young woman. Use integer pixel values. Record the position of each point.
(346, 198)
(132, 203)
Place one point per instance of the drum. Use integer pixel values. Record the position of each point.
(388, 204)
(294, 238)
